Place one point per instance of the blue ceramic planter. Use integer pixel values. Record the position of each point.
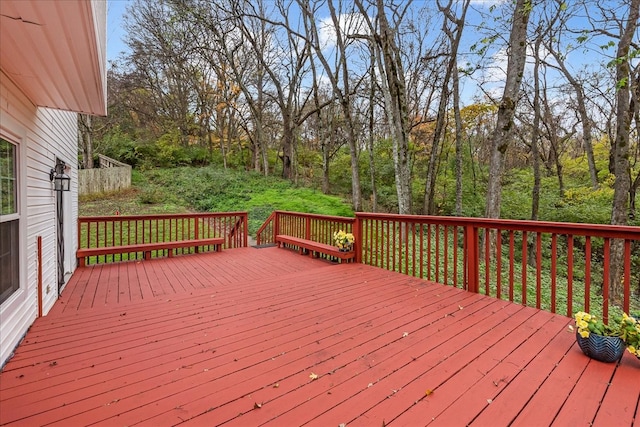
(604, 349)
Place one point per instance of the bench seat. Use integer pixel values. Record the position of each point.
(82, 254)
(314, 247)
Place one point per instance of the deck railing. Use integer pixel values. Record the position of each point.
(266, 234)
(318, 228)
(558, 267)
(125, 230)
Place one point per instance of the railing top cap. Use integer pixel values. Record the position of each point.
(311, 215)
(159, 216)
(598, 230)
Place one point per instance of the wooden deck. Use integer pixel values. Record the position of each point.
(249, 336)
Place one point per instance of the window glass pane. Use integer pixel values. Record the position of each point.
(8, 178)
(9, 259)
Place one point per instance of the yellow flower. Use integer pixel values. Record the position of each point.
(582, 324)
(632, 350)
(584, 334)
(343, 239)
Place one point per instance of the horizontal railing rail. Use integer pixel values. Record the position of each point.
(559, 267)
(116, 232)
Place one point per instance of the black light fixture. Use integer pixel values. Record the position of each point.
(61, 181)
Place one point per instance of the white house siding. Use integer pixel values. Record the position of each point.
(42, 135)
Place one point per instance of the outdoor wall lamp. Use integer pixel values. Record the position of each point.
(61, 181)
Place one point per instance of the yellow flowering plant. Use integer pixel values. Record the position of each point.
(626, 327)
(630, 333)
(588, 324)
(343, 240)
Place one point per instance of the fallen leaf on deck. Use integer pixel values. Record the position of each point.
(406, 334)
(257, 405)
(428, 392)
(489, 400)
(313, 376)
(460, 307)
(276, 385)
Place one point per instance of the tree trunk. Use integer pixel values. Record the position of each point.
(535, 155)
(396, 109)
(584, 118)
(632, 196)
(372, 93)
(535, 132)
(454, 40)
(86, 140)
(344, 94)
(620, 150)
(452, 70)
(459, 146)
(287, 147)
(504, 122)
(325, 166)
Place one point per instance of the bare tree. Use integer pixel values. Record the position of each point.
(504, 122)
(160, 55)
(452, 26)
(535, 133)
(559, 49)
(340, 80)
(624, 114)
(385, 34)
(620, 146)
(371, 139)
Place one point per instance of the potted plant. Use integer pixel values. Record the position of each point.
(606, 342)
(344, 241)
(630, 333)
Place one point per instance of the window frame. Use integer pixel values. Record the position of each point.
(15, 217)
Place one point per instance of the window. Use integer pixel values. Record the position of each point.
(9, 221)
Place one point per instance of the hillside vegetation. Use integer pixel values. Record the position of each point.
(212, 189)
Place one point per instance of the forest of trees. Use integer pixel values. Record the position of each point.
(404, 89)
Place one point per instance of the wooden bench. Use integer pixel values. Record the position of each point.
(314, 247)
(146, 248)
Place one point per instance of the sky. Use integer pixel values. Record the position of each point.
(115, 45)
(115, 32)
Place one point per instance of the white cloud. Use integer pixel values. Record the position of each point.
(349, 23)
(496, 71)
(488, 3)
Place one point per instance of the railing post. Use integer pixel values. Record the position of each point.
(246, 229)
(196, 231)
(79, 223)
(357, 233)
(473, 258)
(307, 228)
(276, 226)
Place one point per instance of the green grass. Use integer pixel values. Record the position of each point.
(211, 189)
